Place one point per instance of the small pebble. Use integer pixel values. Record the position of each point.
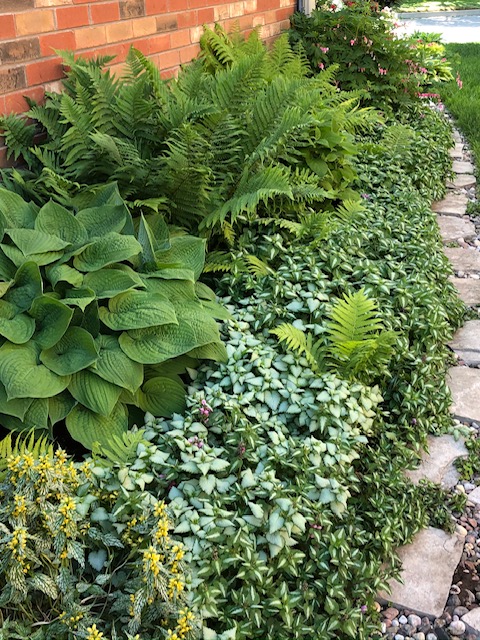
(403, 620)
(414, 620)
(457, 628)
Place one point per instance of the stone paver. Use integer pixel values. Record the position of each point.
(462, 181)
(472, 619)
(462, 167)
(457, 152)
(474, 496)
(467, 260)
(468, 290)
(466, 343)
(453, 228)
(464, 384)
(452, 205)
(437, 465)
(428, 565)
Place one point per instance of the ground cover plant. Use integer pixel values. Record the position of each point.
(463, 104)
(283, 476)
(436, 5)
(97, 317)
(361, 40)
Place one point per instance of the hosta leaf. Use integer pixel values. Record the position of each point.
(137, 310)
(171, 273)
(156, 344)
(212, 351)
(216, 310)
(174, 290)
(162, 397)
(52, 318)
(102, 220)
(17, 407)
(4, 287)
(107, 283)
(27, 286)
(186, 251)
(41, 259)
(55, 220)
(32, 241)
(204, 292)
(116, 367)
(75, 351)
(16, 212)
(147, 240)
(88, 427)
(24, 377)
(80, 297)
(111, 248)
(59, 407)
(15, 327)
(37, 413)
(63, 273)
(94, 392)
(7, 267)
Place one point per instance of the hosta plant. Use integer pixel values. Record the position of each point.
(97, 318)
(83, 559)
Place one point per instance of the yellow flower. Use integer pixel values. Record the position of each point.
(94, 633)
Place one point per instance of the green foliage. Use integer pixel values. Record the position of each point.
(357, 347)
(256, 139)
(95, 318)
(361, 41)
(81, 558)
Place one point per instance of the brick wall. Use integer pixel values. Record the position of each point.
(168, 31)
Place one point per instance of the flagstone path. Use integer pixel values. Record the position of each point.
(434, 573)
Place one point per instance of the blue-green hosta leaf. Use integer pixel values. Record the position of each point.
(116, 367)
(107, 283)
(174, 290)
(15, 327)
(102, 220)
(7, 267)
(147, 240)
(186, 251)
(19, 259)
(27, 286)
(88, 427)
(55, 220)
(63, 273)
(37, 413)
(32, 241)
(162, 397)
(171, 273)
(80, 297)
(137, 310)
(94, 392)
(204, 292)
(17, 407)
(212, 351)
(76, 350)
(59, 407)
(111, 248)
(16, 212)
(52, 318)
(216, 310)
(24, 377)
(156, 344)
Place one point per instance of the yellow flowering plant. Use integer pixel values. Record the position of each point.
(81, 558)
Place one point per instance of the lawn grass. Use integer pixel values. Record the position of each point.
(464, 103)
(436, 5)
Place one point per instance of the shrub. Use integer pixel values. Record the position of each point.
(256, 138)
(81, 558)
(361, 40)
(97, 320)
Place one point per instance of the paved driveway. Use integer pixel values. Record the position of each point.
(455, 26)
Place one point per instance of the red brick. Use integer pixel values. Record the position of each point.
(16, 103)
(44, 71)
(12, 79)
(34, 22)
(69, 17)
(144, 26)
(178, 5)
(169, 73)
(7, 27)
(266, 5)
(142, 45)
(19, 50)
(188, 19)
(160, 43)
(108, 12)
(64, 41)
(206, 15)
(166, 23)
(187, 54)
(2, 110)
(119, 50)
(283, 14)
(180, 38)
(156, 6)
(168, 59)
(85, 1)
(119, 31)
(90, 37)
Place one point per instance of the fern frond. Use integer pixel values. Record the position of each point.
(20, 444)
(349, 210)
(216, 49)
(299, 342)
(353, 319)
(18, 136)
(121, 450)
(257, 267)
(398, 139)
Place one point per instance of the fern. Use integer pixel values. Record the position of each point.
(121, 450)
(302, 343)
(20, 444)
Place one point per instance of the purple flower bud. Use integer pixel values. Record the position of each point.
(364, 608)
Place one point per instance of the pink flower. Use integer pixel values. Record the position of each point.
(321, 65)
(352, 42)
(382, 72)
(459, 81)
(324, 49)
(423, 70)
